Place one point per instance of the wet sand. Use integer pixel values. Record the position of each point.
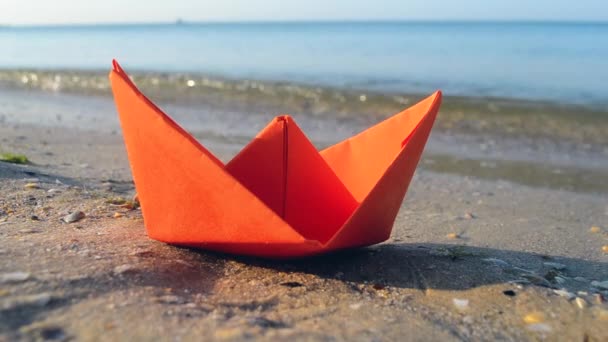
(473, 255)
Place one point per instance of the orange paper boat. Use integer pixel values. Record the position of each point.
(279, 197)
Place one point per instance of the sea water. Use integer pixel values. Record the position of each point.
(560, 62)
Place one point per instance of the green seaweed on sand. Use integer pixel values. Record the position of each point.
(14, 158)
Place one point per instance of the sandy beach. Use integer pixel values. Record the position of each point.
(502, 235)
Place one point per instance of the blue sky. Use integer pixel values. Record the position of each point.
(23, 12)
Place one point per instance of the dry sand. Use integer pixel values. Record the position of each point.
(469, 259)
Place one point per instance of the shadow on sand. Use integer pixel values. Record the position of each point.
(191, 272)
(30, 170)
(439, 266)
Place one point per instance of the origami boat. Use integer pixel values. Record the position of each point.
(279, 197)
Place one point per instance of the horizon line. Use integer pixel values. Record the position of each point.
(180, 21)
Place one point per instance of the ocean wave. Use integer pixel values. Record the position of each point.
(200, 89)
(468, 114)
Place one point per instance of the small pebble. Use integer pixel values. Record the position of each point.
(32, 186)
(74, 217)
(37, 300)
(14, 277)
(559, 280)
(564, 293)
(534, 317)
(595, 229)
(117, 215)
(581, 279)
(539, 327)
(461, 304)
(509, 293)
(170, 299)
(468, 216)
(355, 306)
(581, 303)
(599, 299)
(232, 334)
(453, 236)
(555, 265)
(124, 269)
(605, 248)
(190, 305)
(41, 299)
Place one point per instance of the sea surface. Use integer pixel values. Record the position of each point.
(557, 62)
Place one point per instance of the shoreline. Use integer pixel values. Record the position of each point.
(81, 80)
(584, 124)
(463, 149)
